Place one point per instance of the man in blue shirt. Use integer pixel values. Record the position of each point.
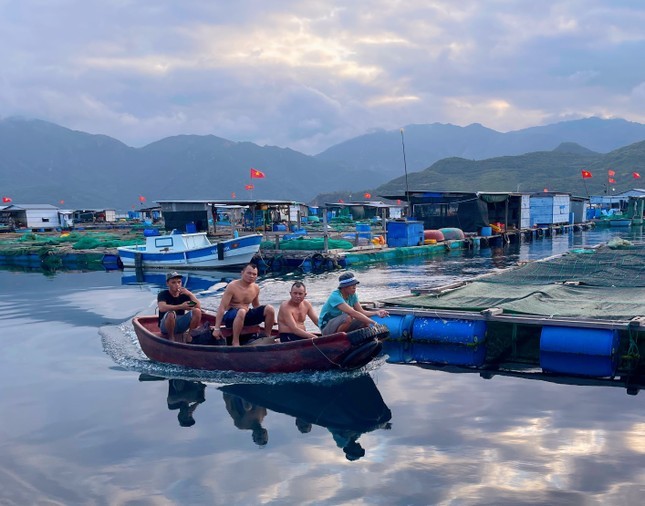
(343, 312)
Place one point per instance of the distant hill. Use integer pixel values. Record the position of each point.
(44, 162)
(557, 170)
(382, 151)
(41, 162)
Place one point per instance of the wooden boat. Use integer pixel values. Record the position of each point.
(342, 350)
(190, 251)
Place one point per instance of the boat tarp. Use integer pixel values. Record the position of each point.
(599, 283)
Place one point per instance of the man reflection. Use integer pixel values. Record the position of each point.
(185, 396)
(344, 438)
(247, 416)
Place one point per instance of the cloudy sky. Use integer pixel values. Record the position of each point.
(308, 74)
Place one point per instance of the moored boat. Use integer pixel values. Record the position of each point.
(338, 351)
(190, 251)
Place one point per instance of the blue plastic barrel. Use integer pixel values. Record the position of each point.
(579, 351)
(399, 326)
(448, 331)
(397, 352)
(279, 227)
(486, 232)
(190, 227)
(364, 230)
(150, 232)
(449, 354)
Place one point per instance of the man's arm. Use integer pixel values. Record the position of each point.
(223, 306)
(256, 300)
(311, 313)
(292, 325)
(379, 312)
(164, 307)
(358, 315)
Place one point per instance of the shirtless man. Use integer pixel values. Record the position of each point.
(293, 313)
(234, 311)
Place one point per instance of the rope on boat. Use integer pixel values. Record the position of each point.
(313, 341)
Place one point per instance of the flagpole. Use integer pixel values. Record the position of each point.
(405, 168)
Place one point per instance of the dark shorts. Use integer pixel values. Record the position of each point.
(182, 323)
(286, 337)
(254, 316)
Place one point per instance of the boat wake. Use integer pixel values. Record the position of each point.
(120, 343)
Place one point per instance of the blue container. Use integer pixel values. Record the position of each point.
(449, 354)
(150, 232)
(397, 352)
(404, 233)
(579, 351)
(448, 331)
(190, 227)
(486, 232)
(279, 227)
(364, 230)
(400, 326)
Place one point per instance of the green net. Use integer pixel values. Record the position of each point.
(310, 244)
(603, 283)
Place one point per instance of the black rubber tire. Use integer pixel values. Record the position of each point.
(362, 355)
(361, 335)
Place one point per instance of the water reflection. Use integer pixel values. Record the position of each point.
(185, 396)
(196, 281)
(453, 358)
(347, 410)
(247, 416)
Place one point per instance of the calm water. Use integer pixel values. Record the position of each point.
(87, 421)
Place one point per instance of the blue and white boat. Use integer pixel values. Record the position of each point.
(192, 251)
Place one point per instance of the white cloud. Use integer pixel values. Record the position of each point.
(309, 74)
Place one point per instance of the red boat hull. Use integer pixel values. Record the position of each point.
(337, 351)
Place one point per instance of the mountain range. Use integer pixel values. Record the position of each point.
(41, 162)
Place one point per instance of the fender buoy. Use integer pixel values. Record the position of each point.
(277, 265)
(361, 355)
(317, 262)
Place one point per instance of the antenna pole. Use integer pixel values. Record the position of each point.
(405, 168)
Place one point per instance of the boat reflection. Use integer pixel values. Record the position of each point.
(348, 409)
(195, 281)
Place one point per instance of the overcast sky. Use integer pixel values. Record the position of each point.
(308, 74)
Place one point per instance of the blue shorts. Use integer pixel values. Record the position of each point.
(182, 322)
(254, 316)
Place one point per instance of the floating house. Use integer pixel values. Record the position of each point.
(94, 215)
(202, 215)
(550, 208)
(364, 210)
(35, 216)
(467, 211)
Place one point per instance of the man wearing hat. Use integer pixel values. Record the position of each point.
(179, 309)
(343, 312)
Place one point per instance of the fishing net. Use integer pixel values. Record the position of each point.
(602, 283)
(311, 244)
